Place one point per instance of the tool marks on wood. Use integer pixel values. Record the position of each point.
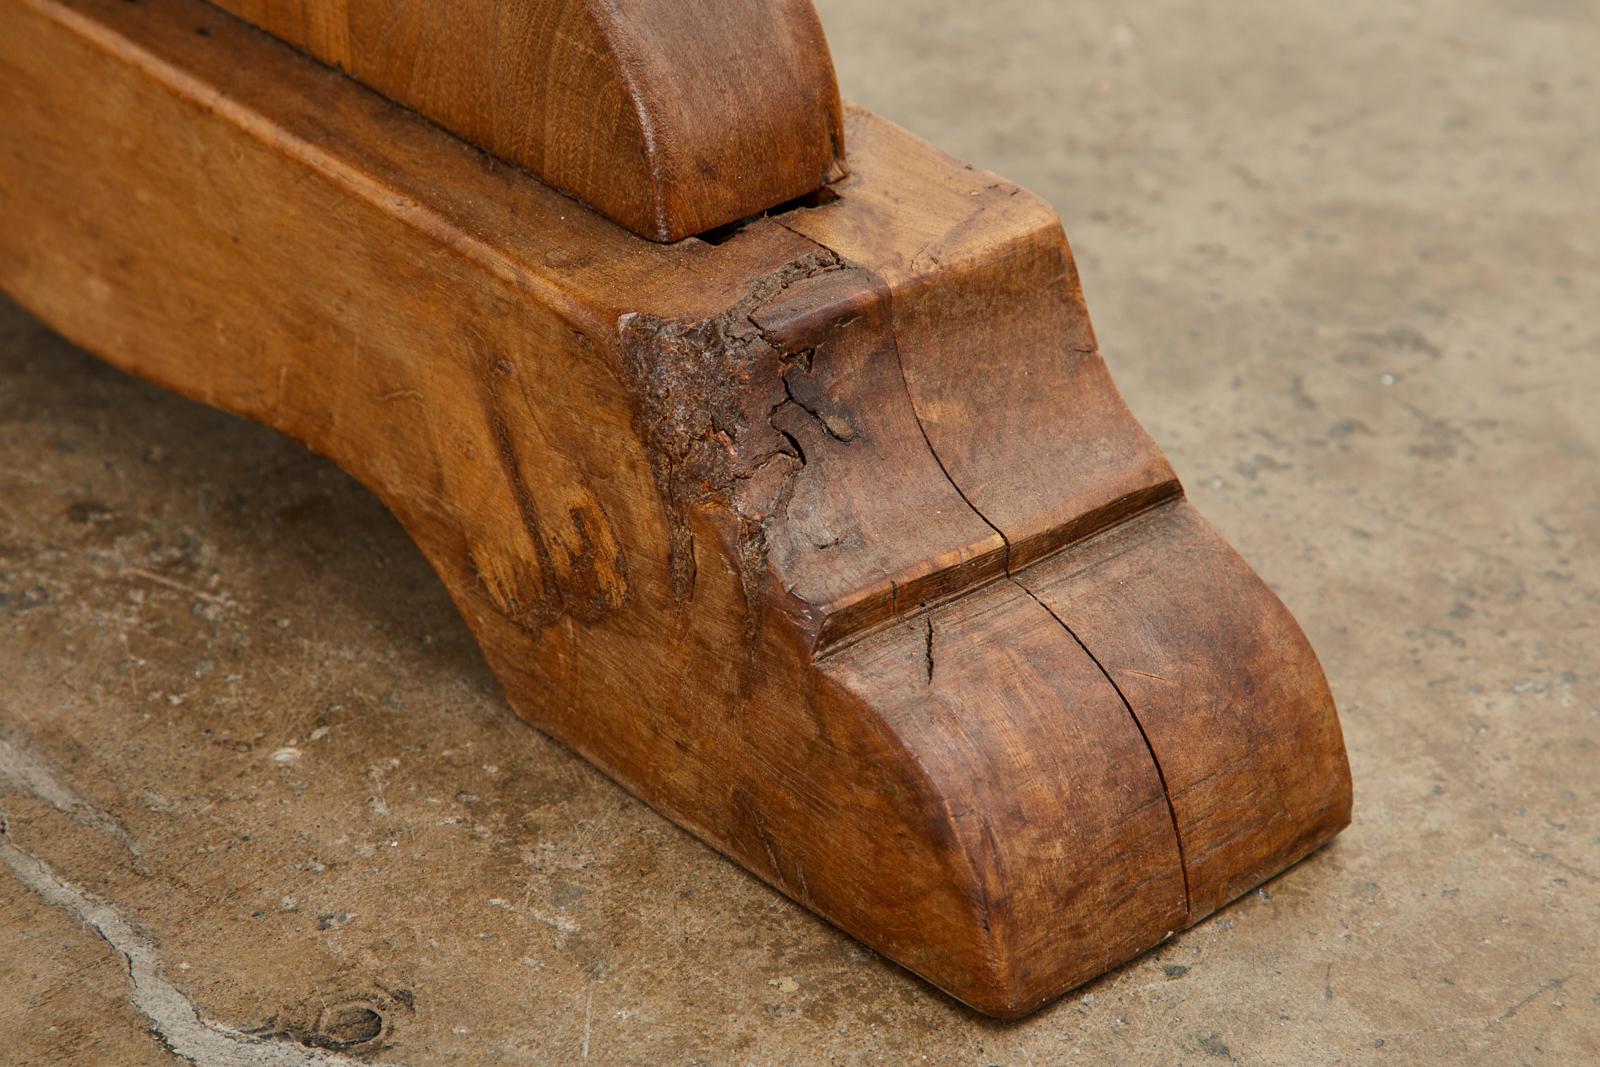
(539, 542)
(577, 566)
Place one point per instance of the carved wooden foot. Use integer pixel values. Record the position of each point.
(829, 535)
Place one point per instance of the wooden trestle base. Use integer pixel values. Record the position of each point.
(829, 536)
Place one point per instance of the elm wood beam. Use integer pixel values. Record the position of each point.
(832, 541)
(591, 95)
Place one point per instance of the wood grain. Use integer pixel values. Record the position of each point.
(671, 117)
(832, 541)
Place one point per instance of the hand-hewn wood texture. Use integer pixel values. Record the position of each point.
(672, 117)
(833, 541)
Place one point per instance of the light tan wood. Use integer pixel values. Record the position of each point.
(672, 117)
(832, 541)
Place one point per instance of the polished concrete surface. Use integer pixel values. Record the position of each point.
(1343, 260)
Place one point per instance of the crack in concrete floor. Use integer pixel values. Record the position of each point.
(174, 1019)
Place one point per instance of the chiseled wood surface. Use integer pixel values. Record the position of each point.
(831, 540)
(671, 117)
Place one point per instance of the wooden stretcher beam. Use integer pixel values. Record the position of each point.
(832, 539)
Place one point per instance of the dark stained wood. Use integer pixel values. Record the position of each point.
(832, 541)
(672, 117)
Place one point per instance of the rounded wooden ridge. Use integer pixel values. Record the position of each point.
(671, 117)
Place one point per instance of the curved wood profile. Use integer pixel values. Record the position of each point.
(833, 541)
(671, 117)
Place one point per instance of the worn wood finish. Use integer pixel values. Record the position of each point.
(672, 117)
(832, 541)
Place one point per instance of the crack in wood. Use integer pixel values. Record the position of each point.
(1172, 810)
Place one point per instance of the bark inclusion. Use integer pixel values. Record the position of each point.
(708, 396)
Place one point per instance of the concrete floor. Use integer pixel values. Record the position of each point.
(1343, 260)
